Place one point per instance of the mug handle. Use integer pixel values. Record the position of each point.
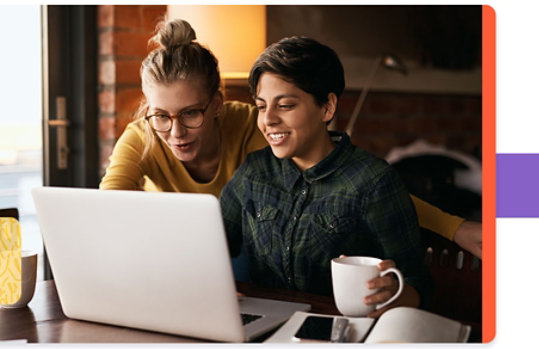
(399, 291)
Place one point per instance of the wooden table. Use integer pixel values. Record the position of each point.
(44, 322)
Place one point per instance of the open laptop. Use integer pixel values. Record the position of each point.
(153, 261)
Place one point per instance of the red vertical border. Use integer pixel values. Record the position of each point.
(489, 174)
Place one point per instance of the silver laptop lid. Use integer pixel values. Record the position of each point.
(155, 261)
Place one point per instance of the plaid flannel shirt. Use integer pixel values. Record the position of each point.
(293, 223)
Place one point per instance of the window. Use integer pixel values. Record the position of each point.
(20, 118)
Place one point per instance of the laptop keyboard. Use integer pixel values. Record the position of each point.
(246, 318)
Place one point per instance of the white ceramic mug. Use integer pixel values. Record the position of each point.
(350, 276)
(28, 280)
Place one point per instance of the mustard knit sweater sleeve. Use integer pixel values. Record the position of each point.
(126, 169)
(432, 218)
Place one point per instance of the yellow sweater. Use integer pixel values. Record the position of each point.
(160, 170)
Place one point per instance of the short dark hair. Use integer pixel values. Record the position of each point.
(313, 67)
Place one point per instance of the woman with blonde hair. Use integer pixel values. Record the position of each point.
(185, 138)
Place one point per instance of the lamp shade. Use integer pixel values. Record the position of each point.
(236, 34)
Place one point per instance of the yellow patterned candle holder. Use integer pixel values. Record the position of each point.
(10, 261)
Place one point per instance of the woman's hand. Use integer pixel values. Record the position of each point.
(388, 286)
(468, 236)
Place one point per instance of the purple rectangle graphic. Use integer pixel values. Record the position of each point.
(517, 185)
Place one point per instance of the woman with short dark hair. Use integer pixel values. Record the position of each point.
(311, 195)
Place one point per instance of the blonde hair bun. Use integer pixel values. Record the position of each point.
(175, 32)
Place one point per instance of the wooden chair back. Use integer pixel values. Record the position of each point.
(457, 278)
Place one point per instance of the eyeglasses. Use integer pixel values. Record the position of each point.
(192, 118)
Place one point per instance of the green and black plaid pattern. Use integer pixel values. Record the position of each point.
(292, 223)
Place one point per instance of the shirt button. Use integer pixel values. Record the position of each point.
(295, 217)
(258, 214)
(303, 192)
(288, 248)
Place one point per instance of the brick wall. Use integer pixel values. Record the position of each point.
(390, 119)
(122, 43)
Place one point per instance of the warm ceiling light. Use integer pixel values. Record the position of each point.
(236, 34)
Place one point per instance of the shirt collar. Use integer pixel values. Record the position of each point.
(322, 169)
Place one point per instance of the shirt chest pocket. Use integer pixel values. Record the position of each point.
(332, 224)
(262, 223)
(330, 234)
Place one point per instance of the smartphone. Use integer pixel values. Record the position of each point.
(319, 328)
